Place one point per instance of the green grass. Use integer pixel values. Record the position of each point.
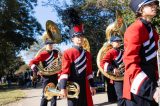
(10, 95)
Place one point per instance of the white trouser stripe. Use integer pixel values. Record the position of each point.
(137, 82)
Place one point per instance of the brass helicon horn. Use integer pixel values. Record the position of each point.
(117, 28)
(52, 33)
(53, 68)
(72, 88)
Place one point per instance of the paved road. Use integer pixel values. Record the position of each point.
(34, 95)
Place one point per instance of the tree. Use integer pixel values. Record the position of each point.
(123, 5)
(96, 16)
(95, 21)
(18, 29)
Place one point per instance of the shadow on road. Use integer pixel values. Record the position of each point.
(104, 103)
(29, 97)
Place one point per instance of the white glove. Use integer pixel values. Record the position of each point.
(34, 68)
(156, 95)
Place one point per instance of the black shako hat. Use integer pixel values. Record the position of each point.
(135, 5)
(75, 21)
(77, 30)
(115, 38)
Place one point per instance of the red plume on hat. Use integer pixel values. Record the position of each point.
(75, 22)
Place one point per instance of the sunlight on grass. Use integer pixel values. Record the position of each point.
(7, 96)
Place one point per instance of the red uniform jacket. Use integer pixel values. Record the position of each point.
(74, 65)
(45, 57)
(141, 73)
(111, 60)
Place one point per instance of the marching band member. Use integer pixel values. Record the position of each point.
(140, 46)
(77, 67)
(46, 57)
(111, 62)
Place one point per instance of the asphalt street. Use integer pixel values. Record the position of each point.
(34, 95)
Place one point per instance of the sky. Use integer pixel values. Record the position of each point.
(42, 14)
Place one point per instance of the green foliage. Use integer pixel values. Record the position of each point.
(96, 16)
(156, 22)
(18, 29)
(17, 23)
(95, 23)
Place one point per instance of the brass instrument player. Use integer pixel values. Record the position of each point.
(77, 66)
(140, 56)
(46, 57)
(115, 30)
(110, 63)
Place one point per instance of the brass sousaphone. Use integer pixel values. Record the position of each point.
(51, 90)
(52, 33)
(118, 27)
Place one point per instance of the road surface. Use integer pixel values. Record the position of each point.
(34, 95)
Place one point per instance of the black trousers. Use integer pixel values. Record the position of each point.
(45, 81)
(82, 98)
(138, 101)
(112, 97)
(118, 85)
